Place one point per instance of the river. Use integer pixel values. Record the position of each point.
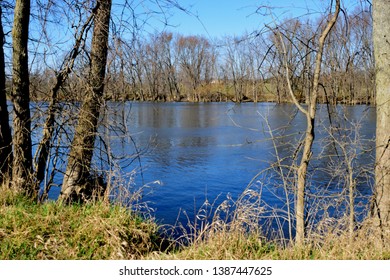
(192, 153)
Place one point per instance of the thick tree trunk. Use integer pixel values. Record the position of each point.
(77, 183)
(5, 131)
(22, 163)
(381, 38)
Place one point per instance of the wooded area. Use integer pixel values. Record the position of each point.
(173, 67)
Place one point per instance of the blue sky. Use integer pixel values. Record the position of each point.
(216, 18)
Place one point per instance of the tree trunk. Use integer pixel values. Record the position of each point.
(381, 34)
(5, 131)
(77, 184)
(310, 114)
(309, 138)
(22, 163)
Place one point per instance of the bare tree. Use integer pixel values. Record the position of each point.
(193, 53)
(349, 62)
(168, 64)
(22, 163)
(310, 114)
(75, 183)
(238, 64)
(61, 76)
(381, 15)
(5, 131)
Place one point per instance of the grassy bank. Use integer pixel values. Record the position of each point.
(103, 231)
(53, 231)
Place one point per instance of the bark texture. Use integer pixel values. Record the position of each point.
(381, 38)
(22, 163)
(78, 184)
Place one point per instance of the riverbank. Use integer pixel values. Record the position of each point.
(31, 231)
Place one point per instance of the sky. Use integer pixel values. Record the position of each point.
(216, 18)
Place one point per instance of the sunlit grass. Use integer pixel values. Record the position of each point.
(101, 230)
(233, 245)
(52, 231)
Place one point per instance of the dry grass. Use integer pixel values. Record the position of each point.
(237, 236)
(233, 245)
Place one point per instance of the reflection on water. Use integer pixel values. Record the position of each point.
(212, 150)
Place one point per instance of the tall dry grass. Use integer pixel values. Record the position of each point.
(232, 231)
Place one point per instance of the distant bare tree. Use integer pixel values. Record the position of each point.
(349, 62)
(193, 53)
(238, 66)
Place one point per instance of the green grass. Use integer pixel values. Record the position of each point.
(52, 231)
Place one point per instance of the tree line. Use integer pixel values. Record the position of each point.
(166, 66)
(101, 54)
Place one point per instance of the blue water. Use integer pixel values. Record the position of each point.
(192, 153)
